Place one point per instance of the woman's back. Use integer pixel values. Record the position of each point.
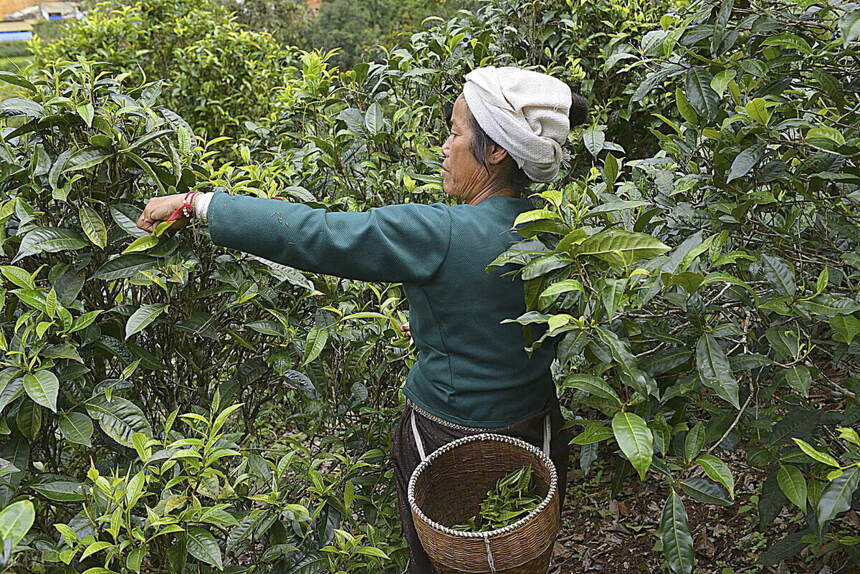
(471, 369)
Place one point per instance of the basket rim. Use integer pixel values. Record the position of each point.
(553, 484)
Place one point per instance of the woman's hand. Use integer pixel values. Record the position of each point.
(159, 209)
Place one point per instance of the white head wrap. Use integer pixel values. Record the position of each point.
(525, 112)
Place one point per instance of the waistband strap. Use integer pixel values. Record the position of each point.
(443, 422)
(547, 435)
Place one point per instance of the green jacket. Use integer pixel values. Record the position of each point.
(471, 369)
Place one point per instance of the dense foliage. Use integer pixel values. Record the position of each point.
(707, 294)
(168, 406)
(353, 29)
(216, 72)
(113, 349)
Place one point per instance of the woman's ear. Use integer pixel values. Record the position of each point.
(497, 154)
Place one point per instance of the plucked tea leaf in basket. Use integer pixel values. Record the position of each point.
(511, 499)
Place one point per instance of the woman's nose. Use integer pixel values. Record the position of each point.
(446, 149)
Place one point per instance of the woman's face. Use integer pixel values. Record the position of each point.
(462, 175)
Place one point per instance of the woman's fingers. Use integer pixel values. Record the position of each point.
(158, 209)
(407, 332)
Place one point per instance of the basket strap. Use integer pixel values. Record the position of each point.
(547, 434)
(490, 561)
(417, 436)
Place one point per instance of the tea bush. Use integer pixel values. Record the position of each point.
(217, 74)
(14, 49)
(109, 333)
(355, 29)
(706, 295)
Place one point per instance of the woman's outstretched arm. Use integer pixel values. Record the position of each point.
(404, 243)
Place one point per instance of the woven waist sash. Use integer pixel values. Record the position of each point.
(547, 432)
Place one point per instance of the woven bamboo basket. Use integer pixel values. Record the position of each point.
(448, 487)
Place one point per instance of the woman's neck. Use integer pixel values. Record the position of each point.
(490, 192)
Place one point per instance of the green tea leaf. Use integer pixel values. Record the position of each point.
(185, 139)
(93, 226)
(18, 276)
(790, 41)
(97, 546)
(374, 119)
(141, 244)
(76, 427)
(745, 161)
(616, 206)
(143, 317)
(29, 419)
(700, 94)
(594, 432)
(694, 441)
(705, 491)
(849, 26)
(203, 546)
(59, 490)
(11, 386)
(21, 107)
(793, 485)
(757, 110)
(846, 327)
(15, 521)
(837, 497)
(621, 247)
(57, 169)
(124, 266)
(674, 532)
(849, 434)
(86, 111)
(119, 418)
(592, 385)
(721, 81)
(564, 286)
(715, 370)
(18, 80)
(828, 133)
(810, 451)
(85, 158)
(610, 170)
(314, 344)
(126, 216)
(540, 266)
(48, 240)
(718, 471)
(635, 440)
(594, 140)
(43, 386)
(684, 107)
(798, 378)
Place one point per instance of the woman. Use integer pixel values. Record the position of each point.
(472, 372)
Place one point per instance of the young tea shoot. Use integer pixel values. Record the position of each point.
(511, 499)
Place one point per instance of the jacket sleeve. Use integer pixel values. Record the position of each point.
(405, 243)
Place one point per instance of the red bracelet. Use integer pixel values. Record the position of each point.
(186, 209)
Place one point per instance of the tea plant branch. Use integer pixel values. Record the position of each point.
(732, 426)
(837, 386)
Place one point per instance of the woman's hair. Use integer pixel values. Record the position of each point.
(481, 142)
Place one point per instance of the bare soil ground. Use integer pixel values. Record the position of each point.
(617, 536)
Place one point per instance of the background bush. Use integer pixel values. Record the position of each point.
(16, 49)
(217, 73)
